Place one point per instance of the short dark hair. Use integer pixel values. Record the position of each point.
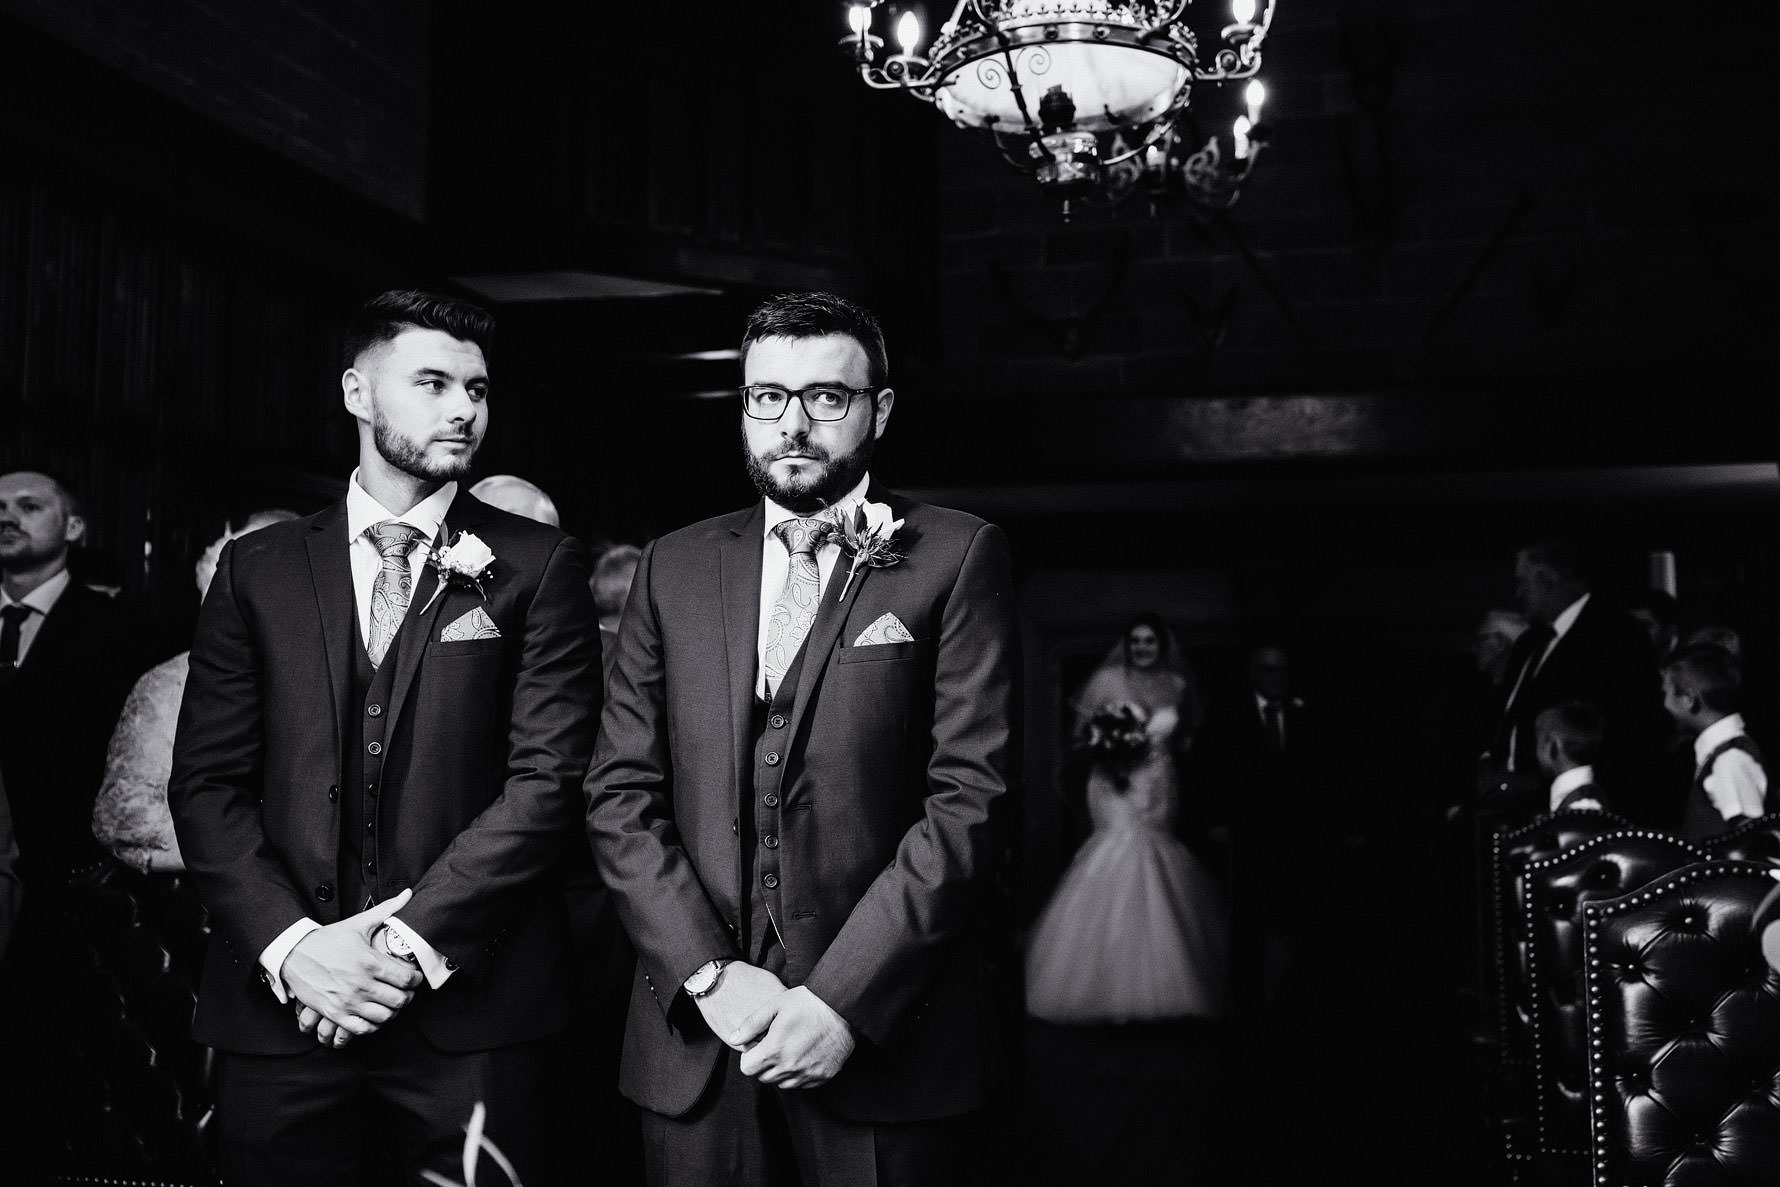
(819, 315)
(612, 575)
(388, 314)
(1577, 726)
(1707, 671)
(1564, 558)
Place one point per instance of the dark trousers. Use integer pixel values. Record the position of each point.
(747, 1134)
(382, 1110)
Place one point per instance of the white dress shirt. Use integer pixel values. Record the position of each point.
(40, 602)
(775, 563)
(364, 512)
(1736, 785)
(1567, 781)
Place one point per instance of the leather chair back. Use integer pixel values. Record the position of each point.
(1685, 1018)
(1753, 840)
(1557, 890)
(1511, 851)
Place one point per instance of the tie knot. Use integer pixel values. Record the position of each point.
(393, 537)
(15, 613)
(802, 535)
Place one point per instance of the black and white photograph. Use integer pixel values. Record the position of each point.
(894, 593)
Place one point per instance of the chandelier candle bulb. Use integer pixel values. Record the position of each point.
(908, 32)
(1243, 11)
(1256, 94)
(1239, 133)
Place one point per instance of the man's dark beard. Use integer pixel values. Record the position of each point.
(831, 483)
(411, 459)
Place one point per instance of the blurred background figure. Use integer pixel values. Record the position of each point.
(512, 493)
(130, 816)
(1494, 641)
(1146, 667)
(1701, 691)
(1568, 740)
(1137, 929)
(1661, 616)
(612, 574)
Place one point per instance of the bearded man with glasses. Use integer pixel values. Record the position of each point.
(799, 791)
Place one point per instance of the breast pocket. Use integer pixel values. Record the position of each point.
(881, 652)
(465, 649)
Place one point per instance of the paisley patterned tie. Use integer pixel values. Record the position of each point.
(394, 584)
(795, 608)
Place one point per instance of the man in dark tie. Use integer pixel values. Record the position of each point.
(797, 796)
(68, 656)
(378, 764)
(1577, 647)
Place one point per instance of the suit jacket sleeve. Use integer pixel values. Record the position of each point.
(215, 787)
(935, 888)
(630, 812)
(470, 892)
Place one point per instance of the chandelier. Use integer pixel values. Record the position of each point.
(1086, 95)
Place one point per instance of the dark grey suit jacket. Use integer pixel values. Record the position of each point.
(487, 744)
(898, 762)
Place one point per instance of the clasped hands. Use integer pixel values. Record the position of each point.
(789, 1038)
(341, 984)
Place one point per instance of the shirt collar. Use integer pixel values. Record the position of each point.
(1560, 626)
(427, 515)
(1716, 735)
(1567, 781)
(776, 515)
(42, 599)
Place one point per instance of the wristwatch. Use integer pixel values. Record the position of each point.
(704, 979)
(396, 944)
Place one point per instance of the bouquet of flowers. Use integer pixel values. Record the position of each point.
(1117, 738)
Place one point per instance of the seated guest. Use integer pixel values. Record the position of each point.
(130, 815)
(1701, 689)
(1568, 739)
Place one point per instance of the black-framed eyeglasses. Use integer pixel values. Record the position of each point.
(824, 401)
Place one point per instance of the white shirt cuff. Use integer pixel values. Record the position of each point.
(432, 965)
(272, 959)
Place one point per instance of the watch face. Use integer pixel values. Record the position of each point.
(394, 943)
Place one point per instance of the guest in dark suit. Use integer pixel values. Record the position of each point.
(1577, 648)
(10, 888)
(612, 575)
(385, 726)
(796, 793)
(68, 656)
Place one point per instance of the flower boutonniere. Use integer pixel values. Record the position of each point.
(465, 562)
(868, 536)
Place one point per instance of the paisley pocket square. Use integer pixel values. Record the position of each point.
(887, 629)
(476, 624)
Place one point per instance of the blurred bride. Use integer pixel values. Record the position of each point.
(1137, 928)
(1144, 666)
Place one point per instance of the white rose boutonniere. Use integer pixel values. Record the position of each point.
(868, 537)
(465, 562)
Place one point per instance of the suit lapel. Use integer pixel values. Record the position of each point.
(423, 607)
(739, 580)
(330, 574)
(832, 614)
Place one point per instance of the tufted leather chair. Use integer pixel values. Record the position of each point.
(1511, 850)
(1684, 1021)
(1557, 890)
(1753, 840)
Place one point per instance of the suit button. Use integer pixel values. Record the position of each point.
(370, 867)
(770, 800)
(334, 794)
(770, 841)
(772, 758)
(777, 721)
(370, 789)
(325, 893)
(370, 826)
(450, 965)
(770, 881)
(375, 710)
(735, 828)
(374, 748)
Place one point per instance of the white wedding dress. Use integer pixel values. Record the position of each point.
(1138, 928)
